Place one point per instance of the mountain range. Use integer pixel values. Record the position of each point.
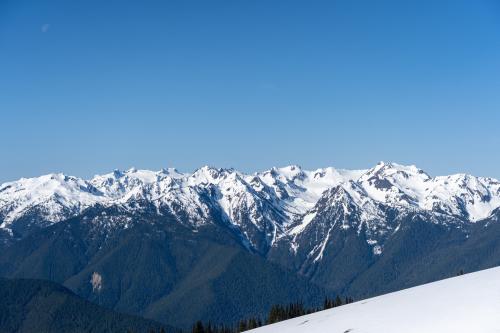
(219, 244)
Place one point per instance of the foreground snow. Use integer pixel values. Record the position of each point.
(468, 303)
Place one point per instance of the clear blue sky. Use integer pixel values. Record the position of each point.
(89, 86)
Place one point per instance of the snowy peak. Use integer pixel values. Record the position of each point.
(394, 174)
(394, 184)
(289, 173)
(208, 175)
(299, 190)
(474, 197)
(459, 195)
(54, 194)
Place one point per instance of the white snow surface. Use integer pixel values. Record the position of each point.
(467, 303)
(284, 196)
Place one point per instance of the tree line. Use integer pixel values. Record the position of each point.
(276, 314)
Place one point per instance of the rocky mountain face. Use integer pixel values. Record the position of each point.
(361, 232)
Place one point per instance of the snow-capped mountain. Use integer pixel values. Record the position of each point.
(264, 207)
(359, 233)
(434, 307)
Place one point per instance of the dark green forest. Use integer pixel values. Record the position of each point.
(28, 305)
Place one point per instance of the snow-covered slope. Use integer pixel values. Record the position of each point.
(467, 303)
(56, 196)
(264, 206)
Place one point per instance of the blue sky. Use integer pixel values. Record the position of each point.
(90, 86)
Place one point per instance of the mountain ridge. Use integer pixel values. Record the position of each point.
(263, 206)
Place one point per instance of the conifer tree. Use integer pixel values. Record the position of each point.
(198, 327)
(242, 326)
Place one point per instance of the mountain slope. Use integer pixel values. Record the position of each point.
(421, 248)
(468, 303)
(157, 268)
(41, 306)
